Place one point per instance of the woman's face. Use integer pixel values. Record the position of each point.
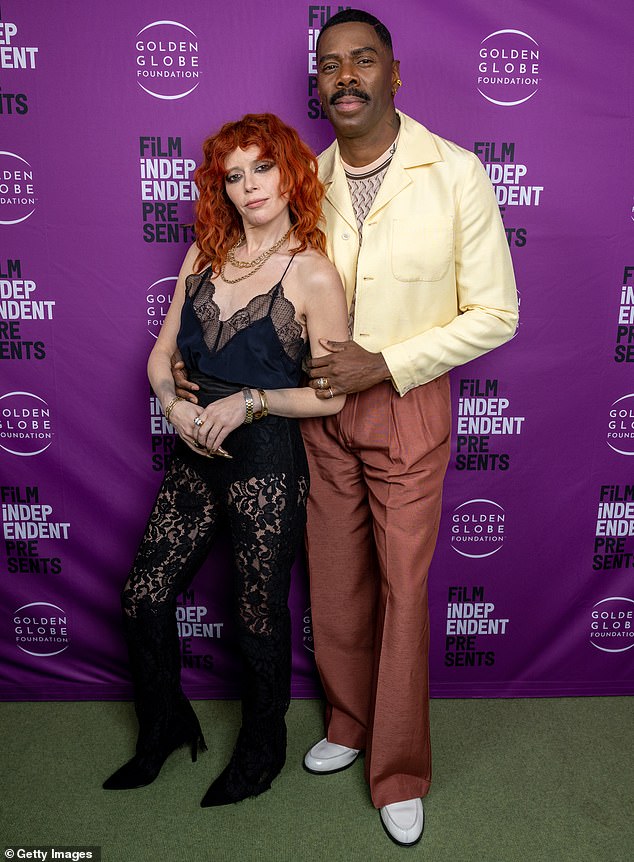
(253, 186)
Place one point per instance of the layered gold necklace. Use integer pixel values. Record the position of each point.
(252, 265)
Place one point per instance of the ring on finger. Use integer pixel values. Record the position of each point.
(322, 383)
(332, 394)
(198, 421)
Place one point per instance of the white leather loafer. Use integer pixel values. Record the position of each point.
(404, 821)
(328, 757)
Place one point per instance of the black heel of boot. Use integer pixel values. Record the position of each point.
(198, 744)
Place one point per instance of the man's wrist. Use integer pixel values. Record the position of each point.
(382, 371)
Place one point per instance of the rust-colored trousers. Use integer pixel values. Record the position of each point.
(376, 472)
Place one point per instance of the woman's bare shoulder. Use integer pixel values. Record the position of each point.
(315, 271)
(188, 266)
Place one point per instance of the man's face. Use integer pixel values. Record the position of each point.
(355, 77)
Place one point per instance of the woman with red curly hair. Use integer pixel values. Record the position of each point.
(255, 292)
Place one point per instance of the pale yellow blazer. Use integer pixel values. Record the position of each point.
(434, 279)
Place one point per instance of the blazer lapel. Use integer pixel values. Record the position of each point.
(338, 194)
(416, 147)
(395, 180)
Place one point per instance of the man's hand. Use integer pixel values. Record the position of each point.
(347, 368)
(184, 388)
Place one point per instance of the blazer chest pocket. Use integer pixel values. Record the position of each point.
(422, 247)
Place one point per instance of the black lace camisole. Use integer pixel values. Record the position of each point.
(260, 345)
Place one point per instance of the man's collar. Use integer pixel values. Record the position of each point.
(416, 146)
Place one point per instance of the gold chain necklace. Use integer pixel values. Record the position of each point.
(252, 265)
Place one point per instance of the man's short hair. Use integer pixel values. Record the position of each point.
(347, 16)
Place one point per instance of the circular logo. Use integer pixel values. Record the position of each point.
(620, 435)
(307, 631)
(612, 624)
(508, 67)
(25, 424)
(158, 300)
(167, 60)
(17, 189)
(41, 629)
(477, 528)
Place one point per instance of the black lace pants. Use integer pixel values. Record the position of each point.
(261, 495)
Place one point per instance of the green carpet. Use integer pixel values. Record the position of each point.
(540, 780)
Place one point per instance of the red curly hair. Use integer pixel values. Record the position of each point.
(218, 225)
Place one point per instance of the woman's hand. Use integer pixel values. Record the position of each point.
(204, 431)
(182, 417)
(217, 420)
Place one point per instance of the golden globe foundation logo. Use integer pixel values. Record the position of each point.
(157, 301)
(307, 631)
(17, 189)
(620, 434)
(167, 62)
(508, 68)
(477, 528)
(41, 629)
(25, 424)
(612, 624)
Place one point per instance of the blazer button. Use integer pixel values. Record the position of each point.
(345, 236)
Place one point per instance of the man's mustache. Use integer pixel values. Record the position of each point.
(341, 94)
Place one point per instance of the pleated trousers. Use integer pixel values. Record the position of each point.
(377, 470)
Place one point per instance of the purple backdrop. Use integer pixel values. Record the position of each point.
(103, 108)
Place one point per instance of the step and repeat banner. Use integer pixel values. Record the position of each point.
(103, 109)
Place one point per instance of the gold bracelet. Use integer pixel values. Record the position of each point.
(170, 406)
(264, 406)
(248, 406)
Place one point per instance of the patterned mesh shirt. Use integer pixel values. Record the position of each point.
(364, 184)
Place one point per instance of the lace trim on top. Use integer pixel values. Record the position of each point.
(218, 333)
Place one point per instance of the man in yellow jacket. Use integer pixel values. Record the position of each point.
(414, 230)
